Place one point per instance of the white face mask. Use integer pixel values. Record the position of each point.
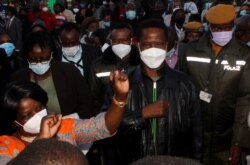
(170, 53)
(70, 51)
(121, 50)
(75, 10)
(153, 57)
(45, 9)
(40, 68)
(33, 125)
(222, 38)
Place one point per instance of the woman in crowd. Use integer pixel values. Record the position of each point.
(67, 90)
(25, 103)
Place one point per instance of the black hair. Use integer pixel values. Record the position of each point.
(151, 23)
(163, 160)
(105, 13)
(122, 25)
(173, 17)
(16, 91)
(102, 34)
(50, 152)
(11, 9)
(40, 25)
(41, 38)
(69, 26)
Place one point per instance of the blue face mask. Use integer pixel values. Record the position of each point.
(40, 68)
(82, 5)
(131, 14)
(243, 12)
(8, 47)
(106, 24)
(248, 43)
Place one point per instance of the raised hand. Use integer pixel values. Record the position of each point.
(120, 85)
(49, 126)
(156, 109)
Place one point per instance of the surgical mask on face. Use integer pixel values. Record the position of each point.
(131, 14)
(82, 5)
(75, 10)
(153, 57)
(40, 68)
(248, 43)
(106, 24)
(170, 53)
(243, 12)
(8, 47)
(45, 9)
(70, 51)
(222, 38)
(33, 125)
(121, 50)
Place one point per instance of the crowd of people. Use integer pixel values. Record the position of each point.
(139, 81)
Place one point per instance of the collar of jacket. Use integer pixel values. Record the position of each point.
(171, 78)
(109, 56)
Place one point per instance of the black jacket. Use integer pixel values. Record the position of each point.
(226, 77)
(89, 54)
(106, 63)
(178, 134)
(71, 88)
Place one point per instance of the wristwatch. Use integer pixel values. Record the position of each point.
(121, 104)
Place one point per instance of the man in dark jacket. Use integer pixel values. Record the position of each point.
(162, 114)
(120, 55)
(75, 53)
(219, 66)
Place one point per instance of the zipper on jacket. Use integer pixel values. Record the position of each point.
(153, 122)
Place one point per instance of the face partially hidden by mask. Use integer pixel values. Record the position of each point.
(33, 125)
(40, 68)
(45, 9)
(121, 50)
(248, 43)
(8, 47)
(222, 38)
(106, 24)
(153, 57)
(131, 14)
(70, 51)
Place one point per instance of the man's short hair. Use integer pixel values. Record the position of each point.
(122, 25)
(50, 152)
(151, 23)
(164, 160)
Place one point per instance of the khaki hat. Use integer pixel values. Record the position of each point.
(193, 26)
(221, 14)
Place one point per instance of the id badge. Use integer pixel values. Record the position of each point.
(205, 96)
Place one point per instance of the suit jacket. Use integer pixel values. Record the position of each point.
(15, 32)
(72, 90)
(89, 53)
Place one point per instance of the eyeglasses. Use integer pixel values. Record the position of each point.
(41, 61)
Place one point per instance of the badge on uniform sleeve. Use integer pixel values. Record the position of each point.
(205, 96)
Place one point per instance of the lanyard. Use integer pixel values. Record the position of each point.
(75, 63)
(153, 123)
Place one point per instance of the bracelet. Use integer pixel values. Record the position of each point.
(121, 104)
